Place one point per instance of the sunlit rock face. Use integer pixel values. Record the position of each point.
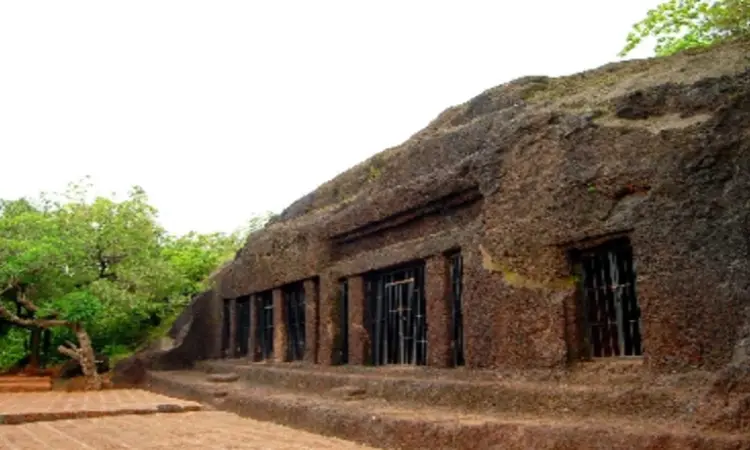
(523, 180)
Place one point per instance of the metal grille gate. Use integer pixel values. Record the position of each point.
(242, 318)
(225, 329)
(264, 332)
(294, 302)
(456, 271)
(397, 316)
(612, 312)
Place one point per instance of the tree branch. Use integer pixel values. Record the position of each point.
(26, 303)
(6, 289)
(69, 352)
(32, 323)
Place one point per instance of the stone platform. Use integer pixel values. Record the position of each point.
(612, 406)
(188, 431)
(24, 407)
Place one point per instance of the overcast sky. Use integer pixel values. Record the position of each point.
(221, 109)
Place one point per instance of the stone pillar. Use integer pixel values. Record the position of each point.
(280, 335)
(216, 324)
(328, 318)
(439, 314)
(359, 337)
(232, 350)
(252, 341)
(311, 321)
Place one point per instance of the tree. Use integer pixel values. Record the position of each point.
(684, 24)
(63, 263)
(34, 268)
(100, 271)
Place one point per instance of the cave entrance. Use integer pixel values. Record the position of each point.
(294, 303)
(611, 313)
(264, 331)
(242, 320)
(397, 315)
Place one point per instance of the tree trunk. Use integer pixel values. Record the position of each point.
(36, 345)
(46, 344)
(88, 360)
(85, 357)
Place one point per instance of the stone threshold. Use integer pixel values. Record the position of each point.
(51, 416)
(482, 396)
(383, 424)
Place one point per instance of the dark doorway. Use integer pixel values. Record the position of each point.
(457, 316)
(397, 316)
(294, 302)
(612, 315)
(264, 332)
(344, 322)
(225, 328)
(242, 318)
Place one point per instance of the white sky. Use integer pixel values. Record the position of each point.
(221, 109)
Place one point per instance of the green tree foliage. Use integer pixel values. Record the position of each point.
(104, 263)
(683, 24)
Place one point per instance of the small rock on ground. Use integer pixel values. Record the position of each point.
(348, 392)
(223, 377)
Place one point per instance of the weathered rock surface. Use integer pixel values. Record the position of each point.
(657, 149)
(222, 377)
(348, 392)
(191, 338)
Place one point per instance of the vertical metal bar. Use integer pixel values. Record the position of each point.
(617, 294)
(638, 338)
(378, 327)
(402, 325)
(594, 311)
(606, 294)
(422, 316)
(413, 320)
(392, 297)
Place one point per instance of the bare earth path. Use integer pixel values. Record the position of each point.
(179, 430)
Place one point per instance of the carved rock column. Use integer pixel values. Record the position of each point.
(216, 324)
(252, 341)
(280, 335)
(329, 319)
(359, 337)
(437, 297)
(232, 350)
(311, 321)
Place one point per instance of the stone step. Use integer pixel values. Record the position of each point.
(25, 384)
(480, 395)
(12, 379)
(20, 408)
(23, 388)
(384, 424)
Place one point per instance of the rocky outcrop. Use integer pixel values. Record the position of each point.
(191, 338)
(656, 149)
